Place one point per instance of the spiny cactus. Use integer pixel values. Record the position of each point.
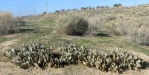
(29, 55)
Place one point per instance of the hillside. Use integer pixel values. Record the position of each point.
(127, 28)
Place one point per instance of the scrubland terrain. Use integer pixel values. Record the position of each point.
(127, 29)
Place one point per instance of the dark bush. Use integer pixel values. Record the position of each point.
(78, 26)
(117, 5)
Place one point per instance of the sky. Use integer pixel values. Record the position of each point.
(33, 7)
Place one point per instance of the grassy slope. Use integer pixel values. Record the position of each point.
(43, 30)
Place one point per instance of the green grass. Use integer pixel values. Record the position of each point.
(35, 31)
(84, 41)
(6, 38)
(39, 30)
(139, 48)
(90, 42)
(48, 21)
(2, 39)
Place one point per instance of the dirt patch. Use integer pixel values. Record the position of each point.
(7, 44)
(12, 35)
(4, 46)
(8, 68)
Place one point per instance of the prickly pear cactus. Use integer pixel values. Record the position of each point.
(29, 55)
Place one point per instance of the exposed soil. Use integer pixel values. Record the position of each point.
(7, 44)
(4, 46)
(7, 68)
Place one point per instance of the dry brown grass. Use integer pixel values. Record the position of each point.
(135, 30)
(143, 35)
(8, 24)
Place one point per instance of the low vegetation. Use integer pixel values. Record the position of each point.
(104, 29)
(113, 21)
(30, 55)
(77, 26)
(8, 23)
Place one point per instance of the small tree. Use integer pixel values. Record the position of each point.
(57, 11)
(44, 13)
(117, 5)
(97, 7)
(77, 26)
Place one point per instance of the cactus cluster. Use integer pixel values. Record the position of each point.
(118, 61)
(29, 55)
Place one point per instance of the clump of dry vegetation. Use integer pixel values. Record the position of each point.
(8, 23)
(77, 26)
(135, 30)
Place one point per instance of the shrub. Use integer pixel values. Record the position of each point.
(143, 35)
(77, 26)
(135, 30)
(98, 24)
(8, 24)
(117, 5)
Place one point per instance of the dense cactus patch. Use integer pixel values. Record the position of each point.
(30, 55)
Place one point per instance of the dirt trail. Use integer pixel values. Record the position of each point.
(4, 46)
(7, 44)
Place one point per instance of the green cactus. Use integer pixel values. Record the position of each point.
(39, 54)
